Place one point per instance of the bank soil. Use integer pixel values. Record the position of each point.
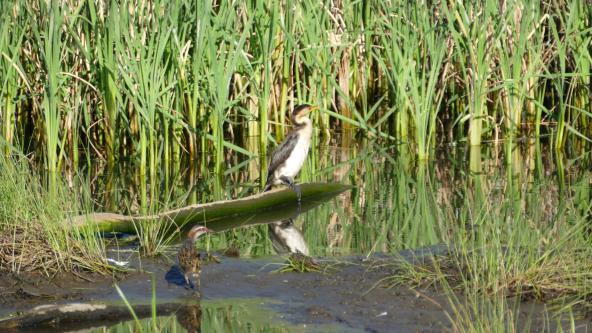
(346, 294)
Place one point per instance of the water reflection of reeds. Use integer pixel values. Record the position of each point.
(397, 202)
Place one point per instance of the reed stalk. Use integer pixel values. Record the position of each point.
(162, 80)
(473, 31)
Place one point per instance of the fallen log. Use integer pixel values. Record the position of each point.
(266, 207)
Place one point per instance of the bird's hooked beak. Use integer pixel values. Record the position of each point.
(311, 109)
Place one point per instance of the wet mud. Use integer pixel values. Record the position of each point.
(347, 295)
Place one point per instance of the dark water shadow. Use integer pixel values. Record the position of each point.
(284, 212)
(175, 276)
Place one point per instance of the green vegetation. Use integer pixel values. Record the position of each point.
(516, 236)
(297, 262)
(210, 316)
(33, 236)
(196, 316)
(158, 80)
(508, 231)
(183, 99)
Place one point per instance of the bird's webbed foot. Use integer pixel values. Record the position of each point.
(293, 186)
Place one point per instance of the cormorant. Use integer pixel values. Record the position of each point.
(288, 158)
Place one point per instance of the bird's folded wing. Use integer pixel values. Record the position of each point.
(282, 152)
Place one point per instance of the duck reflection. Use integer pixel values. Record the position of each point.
(189, 317)
(286, 238)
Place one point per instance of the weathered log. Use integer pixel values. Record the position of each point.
(265, 207)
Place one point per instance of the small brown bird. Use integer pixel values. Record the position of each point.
(288, 158)
(189, 258)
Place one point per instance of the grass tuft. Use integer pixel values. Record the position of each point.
(34, 235)
(300, 263)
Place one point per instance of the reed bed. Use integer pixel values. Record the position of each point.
(156, 81)
(506, 231)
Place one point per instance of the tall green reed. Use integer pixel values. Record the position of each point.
(107, 30)
(195, 79)
(48, 36)
(473, 31)
(10, 43)
(143, 69)
(570, 76)
(415, 58)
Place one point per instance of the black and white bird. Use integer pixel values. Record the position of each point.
(288, 158)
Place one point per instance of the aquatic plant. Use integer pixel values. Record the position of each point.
(300, 263)
(157, 81)
(509, 242)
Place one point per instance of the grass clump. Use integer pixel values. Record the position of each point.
(34, 235)
(511, 245)
(300, 263)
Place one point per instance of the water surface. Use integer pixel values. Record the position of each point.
(397, 203)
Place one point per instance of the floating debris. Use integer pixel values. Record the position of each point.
(117, 262)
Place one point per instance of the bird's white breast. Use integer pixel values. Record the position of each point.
(294, 163)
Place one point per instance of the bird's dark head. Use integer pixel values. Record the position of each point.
(197, 231)
(300, 112)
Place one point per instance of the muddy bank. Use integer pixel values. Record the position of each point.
(346, 297)
(344, 294)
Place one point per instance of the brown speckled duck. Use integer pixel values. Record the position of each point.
(189, 258)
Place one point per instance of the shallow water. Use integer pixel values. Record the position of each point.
(397, 204)
(242, 294)
(238, 294)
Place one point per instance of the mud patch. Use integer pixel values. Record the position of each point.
(344, 298)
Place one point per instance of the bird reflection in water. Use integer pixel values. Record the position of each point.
(189, 317)
(287, 238)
